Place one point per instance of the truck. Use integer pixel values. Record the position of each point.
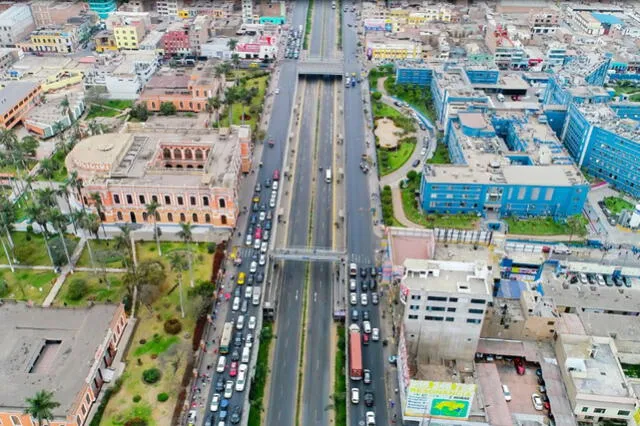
(355, 353)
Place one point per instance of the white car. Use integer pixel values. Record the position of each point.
(277, 91)
(252, 323)
(366, 326)
(262, 260)
(248, 292)
(228, 389)
(583, 278)
(600, 279)
(240, 323)
(192, 417)
(363, 299)
(274, 186)
(371, 418)
(506, 392)
(242, 377)
(264, 247)
(256, 243)
(375, 334)
(537, 402)
(272, 202)
(423, 152)
(215, 402)
(249, 240)
(222, 363)
(254, 267)
(352, 285)
(355, 395)
(236, 304)
(353, 299)
(262, 217)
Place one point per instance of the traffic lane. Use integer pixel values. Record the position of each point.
(317, 28)
(317, 354)
(284, 371)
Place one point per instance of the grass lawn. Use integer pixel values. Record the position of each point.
(617, 204)
(236, 109)
(621, 88)
(21, 206)
(60, 172)
(415, 214)
(98, 111)
(416, 96)
(260, 378)
(340, 385)
(11, 169)
(631, 370)
(440, 155)
(396, 157)
(104, 254)
(376, 73)
(117, 103)
(29, 250)
(98, 289)
(380, 110)
(27, 284)
(539, 226)
(167, 353)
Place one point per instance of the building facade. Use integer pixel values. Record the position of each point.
(60, 39)
(103, 7)
(129, 78)
(445, 303)
(199, 33)
(105, 41)
(16, 99)
(192, 179)
(167, 7)
(15, 24)
(129, 36)
(44, 118)
(51, 12)
(176, 40)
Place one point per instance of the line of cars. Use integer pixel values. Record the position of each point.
(367, 287)
(600, 279)
(294, 44)
(236, 343)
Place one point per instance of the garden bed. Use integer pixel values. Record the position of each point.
(102, 288)
(28, 284)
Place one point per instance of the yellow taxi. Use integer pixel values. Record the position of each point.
(241, 277)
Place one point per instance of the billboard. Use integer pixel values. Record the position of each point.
(374, 24)
(439, 399)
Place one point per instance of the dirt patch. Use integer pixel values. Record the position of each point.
(387, 132)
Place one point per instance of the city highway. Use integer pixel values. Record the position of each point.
(272, 160)
(360, 238)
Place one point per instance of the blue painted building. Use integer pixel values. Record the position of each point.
(451, 90)
(510, 164)
(412, 75)
(482, 75)
(560, 91)
(103, 7)
(606, 145)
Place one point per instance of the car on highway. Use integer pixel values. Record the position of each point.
(228, 389)
(365, 315)
(276, 177)
(415, 163)
(262, 216)
(220, 385)
(192, 417)
(272, 202)
(353, 269)
(248, 240)
(355, 395)
(242, 378)
(258, 187)
(235, 355)
(374, 298)
(353, 298)
(235, 305)
(355, 315)
(368, 399)
(537, 402)
(267, 183)
(249, 340)
(352, 285)
(240, 323)
(256, 243)
(264, 247)
(366, 325)
(423, 152)
(236, 414)
(367, 377)
(215, 402)
(274, 187)
(373, 271)
(254, 267)
(371, 418)
(265, 236)
(248, 292)
(375, 334)
(244, 306)
(363, 285)
(237, 340)
(263, 260)
(363, 272)
(241, 277)
(267, 225)
(233, 369)
(363, 299)
(372, 284)
(222, 363)
(252, 323)
(259, 277)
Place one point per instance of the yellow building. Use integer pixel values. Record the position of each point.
(105, 41)
(428, 15)
(394, 49)
(54, 40)
(129, 36)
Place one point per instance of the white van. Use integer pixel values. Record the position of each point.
(222, 361)
(327, 175)
(246, 355)
(242, 377)
(256, 297)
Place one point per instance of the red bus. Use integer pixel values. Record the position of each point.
(355, 353)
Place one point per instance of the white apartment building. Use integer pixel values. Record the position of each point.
(247, 11)
(445, 304)
(167, 7)
(596, 385)
(587, 23)
(128, 79)
(15, 24)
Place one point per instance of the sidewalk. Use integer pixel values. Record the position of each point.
(389, 317)
(66, 270)
(398, 209)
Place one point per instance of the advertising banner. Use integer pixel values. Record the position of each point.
(439, 399)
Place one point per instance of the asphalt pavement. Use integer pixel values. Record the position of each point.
(360, 238)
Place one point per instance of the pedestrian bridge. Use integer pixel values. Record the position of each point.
(308, 254)
(321, 66)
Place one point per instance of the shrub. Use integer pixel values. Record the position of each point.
(151, 376)
(139, 112)
(163, 396)
(376, 96)
(77, 289)
(137, 398)
(4, 288)
(167, 108)
(136, 421)
(172, 326)
(211, 248)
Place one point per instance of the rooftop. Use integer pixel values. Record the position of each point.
(610, 325)
(605, 118)
(592, 365)
(13, 92)
(447, 276)
(48, 348)
(48, 113)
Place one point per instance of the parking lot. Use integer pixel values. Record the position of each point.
(521, 387)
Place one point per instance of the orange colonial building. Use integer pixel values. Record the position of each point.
(65, 351)
(188, 92)
(193, 178)
(16, 99)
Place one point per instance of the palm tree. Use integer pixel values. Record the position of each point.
(41, 406)
(247, 99)
(235, 60)
(232, 43)
(229, 98)
(63, 191)
(97, 202)
(65, 107)
(94, 127)
(36, 213)
(178, 265)
(76, 183)
(187, 236)
(29, 144)
(575, 225)
(90, 223)
(152, 210)
(213, 105)
(47, 169)
(46, 197)
(7, 217)
(8, 138)
(123, 242)
(58, 128)
(60, 222)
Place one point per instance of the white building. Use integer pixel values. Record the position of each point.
(167, 7)
(247, 11)
(445, 303)
(596, 385)
(217, 48)
(128, 79)
(15, 24)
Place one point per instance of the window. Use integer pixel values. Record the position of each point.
(119, 215)
(521, 193)
(413, 317)
(194, 218)
(449, 319)
(154, 198)
(180, 200)
(451, 309)
(476, 311)
(437, 298)
(550, 323)
(599, 410)
(84, 409)
(142, 201)
(453, 299)
(192, 200)
(129, 199)
(430, 318)
(116, 198)
(414, 307)
(415, 297)
(549, 194)
(473, 321)
(182, 217)
(435, 308)
(16, 421)
(169, 217)
(535, 193)
(623, 412)
(205, 201)
(222, 203)
(478, 301)
(167, 200)
(207, 218)
(86, 398)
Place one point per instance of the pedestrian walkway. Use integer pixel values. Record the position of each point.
(398, 209)
(66, 270)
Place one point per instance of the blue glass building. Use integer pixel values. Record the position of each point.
(103, 7)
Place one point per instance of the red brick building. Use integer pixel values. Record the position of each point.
(176, 40)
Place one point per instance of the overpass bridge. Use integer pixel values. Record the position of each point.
(308, 254)
(318, 66)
